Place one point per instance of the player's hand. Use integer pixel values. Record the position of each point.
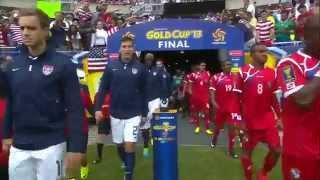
(73, 163)
(98, 116)
(279, 124)
(6, 144)
(143, 121)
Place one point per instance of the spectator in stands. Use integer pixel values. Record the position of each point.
(84, 15)
(59, 29)
(264, 30)
(100, 37)
(3, 35)
(69, 18)
(305, 3)
(14, 30)
(284, 27)
(244, 26)
(74, 38)
(100, 11)
(301, 20)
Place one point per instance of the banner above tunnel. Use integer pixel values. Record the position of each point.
(177, 34)
(183, 34)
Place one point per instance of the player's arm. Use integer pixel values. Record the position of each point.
(6, 92)
(293, 84)
(104, 88)
(212, 92)
(190, 84)
(75, 111)
(143, 90)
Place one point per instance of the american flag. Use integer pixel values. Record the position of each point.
(97, 60)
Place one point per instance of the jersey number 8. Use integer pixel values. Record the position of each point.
(260, 88)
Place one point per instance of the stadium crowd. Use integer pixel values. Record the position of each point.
(84, 29)
(251, 90)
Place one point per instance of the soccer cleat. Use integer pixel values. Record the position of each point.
(234, 155)
(145, 152)
(84, 172)
(97, 161)
(123, 166)
(212, 145)
(151, 141)
(209, 132)
(262, 175)
(197, 130)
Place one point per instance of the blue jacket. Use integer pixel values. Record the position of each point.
(44, 104)
(157, 85)
(126, 84)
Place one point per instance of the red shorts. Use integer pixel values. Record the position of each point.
(224, 117)
(268, 136)
(309, 169)
(200, 104)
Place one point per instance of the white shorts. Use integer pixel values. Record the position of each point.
(45, 164)
(125, 130)
(152, 107)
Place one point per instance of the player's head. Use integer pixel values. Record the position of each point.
(202, 66)
(226, 66)
(99, 25)
(312, 35)
(34, 25)
(127, 47)
(259, 53)
(148, 59)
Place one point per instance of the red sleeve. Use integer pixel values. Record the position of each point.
(3, 156)
(238, 82)
(106, 107)
(290, 77)
(213, 83)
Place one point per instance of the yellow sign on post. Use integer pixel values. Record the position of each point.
(50, 7)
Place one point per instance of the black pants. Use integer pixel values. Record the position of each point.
(4, 175)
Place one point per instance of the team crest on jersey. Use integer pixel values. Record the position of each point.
(47, 69)
(134, 70)
(288, 74)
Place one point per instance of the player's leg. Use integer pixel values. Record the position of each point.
(231, 140)
(50, 163)
(219, 122)
(206, 118)
(117, 129)
(84, 170)
(271, 137)
(21, 165)
(103, 131)
(131, 131)
(250, 143)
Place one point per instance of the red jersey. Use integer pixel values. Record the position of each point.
(301, 125)
(186, 80)
(258, 98)
(106, 107)
(3, 156)
(225, 95)
(199, 82)
(87, 103)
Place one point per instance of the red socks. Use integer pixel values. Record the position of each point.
(247, 167)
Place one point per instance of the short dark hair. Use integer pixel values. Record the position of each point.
(254, 46)
(127, 37)
(301, 6)
(43, 17)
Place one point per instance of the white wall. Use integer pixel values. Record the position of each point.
(235, 4)
(18, 3)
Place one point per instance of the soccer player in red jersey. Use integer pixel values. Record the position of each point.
(224, 103)
(258, 85)
(299, 78)
(87, 104)
(186, 92)
(199, 95)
